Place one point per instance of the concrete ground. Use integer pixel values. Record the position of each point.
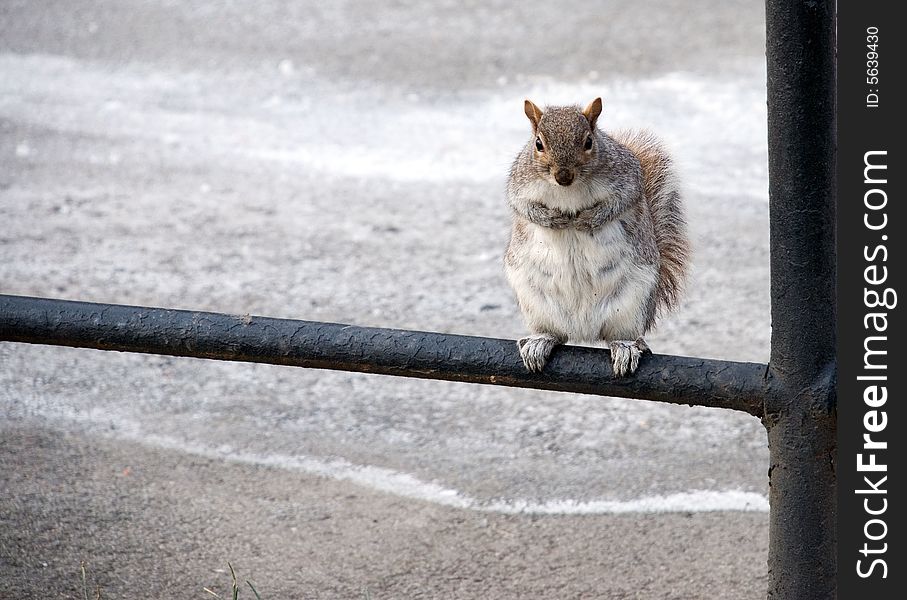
(345, 162)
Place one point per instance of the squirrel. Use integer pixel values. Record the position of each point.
(598, 246)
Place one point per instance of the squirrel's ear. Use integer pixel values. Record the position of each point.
(592, 111)
(534, 113)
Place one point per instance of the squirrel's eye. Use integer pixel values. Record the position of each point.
(538, 144)
(588, 144)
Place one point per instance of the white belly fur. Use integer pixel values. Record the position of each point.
(564, 285)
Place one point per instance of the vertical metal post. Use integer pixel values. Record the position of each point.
(800, 401)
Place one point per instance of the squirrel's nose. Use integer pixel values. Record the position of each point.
(564, 176)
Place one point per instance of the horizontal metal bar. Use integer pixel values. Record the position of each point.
(673, 379)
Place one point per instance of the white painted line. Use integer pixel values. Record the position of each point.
(408, 486)
(405, 485)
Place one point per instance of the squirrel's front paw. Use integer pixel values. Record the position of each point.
(625, 355)
(548, 217)
(560, 220)
(535, 350)
(585, 220)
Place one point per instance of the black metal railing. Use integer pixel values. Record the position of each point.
(800, 404)
(674, 379)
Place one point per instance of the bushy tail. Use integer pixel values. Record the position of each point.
(666, 207)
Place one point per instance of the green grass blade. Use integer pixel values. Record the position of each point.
(254, 591)
(84, 581)
(235, 585)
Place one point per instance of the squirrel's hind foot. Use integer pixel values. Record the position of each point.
(535, 350)
(625, 355)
